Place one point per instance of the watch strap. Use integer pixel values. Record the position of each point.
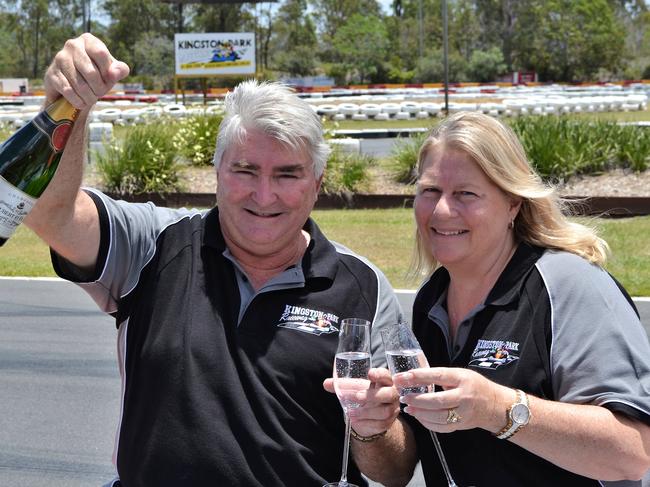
(512, 427)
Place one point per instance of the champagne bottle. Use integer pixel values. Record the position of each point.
(28, 161)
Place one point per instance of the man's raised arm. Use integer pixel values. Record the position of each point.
(65, 217)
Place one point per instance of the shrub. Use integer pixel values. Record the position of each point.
(196, 136)
(560, 147)
(144, 162)
(633, 147)
(346, 172)
(392, 72)
(5, 133)
(404, 158)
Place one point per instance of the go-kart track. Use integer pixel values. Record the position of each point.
(367, 104)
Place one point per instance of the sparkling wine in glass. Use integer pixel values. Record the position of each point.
(403, 353)
(351, 366)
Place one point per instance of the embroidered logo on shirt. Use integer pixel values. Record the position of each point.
(308, 320)
(492, 354)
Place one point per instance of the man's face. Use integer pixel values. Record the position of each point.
(265, 193)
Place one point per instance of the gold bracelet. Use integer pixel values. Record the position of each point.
(366, 439)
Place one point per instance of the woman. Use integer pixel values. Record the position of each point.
(541, 365)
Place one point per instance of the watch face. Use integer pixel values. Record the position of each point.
(520, 414)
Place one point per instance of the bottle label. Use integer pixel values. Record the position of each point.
(14, 207)
(57, 131)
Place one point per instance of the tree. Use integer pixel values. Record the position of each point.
(263, 35)
(634, 16)
(404, 31)
(152, 55)
(295, 40)
(39, 30)
(331, 15)
(9, 62)
(486, 65)
(567, 40)
(132, 20)
(220, 17)
(500, 23)
(464, 28)
(431, 69)
(361, 45)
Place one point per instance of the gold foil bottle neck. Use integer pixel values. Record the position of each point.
(61, 109)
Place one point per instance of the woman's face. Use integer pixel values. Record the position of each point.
(461, 215)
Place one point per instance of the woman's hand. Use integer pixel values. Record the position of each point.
(475, 401)
(379, 404)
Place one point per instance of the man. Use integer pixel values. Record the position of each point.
(227, 319)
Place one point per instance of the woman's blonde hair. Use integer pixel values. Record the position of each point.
(542, 219)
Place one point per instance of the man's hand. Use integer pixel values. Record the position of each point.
(83, 71)
(379, 404)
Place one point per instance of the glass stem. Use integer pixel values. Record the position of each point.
(346, 451)
(443, 460)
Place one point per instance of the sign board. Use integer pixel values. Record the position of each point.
(518, 77)
(526, 77)
(213, 54)
(14, 85)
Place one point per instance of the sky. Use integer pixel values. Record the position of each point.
(385, 4)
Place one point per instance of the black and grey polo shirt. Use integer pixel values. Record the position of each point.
(554, 326)
(222, 386)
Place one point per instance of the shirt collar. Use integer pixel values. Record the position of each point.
(320, 261)
(508, 287)
(506, 290)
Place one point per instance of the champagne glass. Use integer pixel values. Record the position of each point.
(351, 366)
(403, 353)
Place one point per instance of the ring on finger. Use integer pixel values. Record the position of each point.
(453, 416)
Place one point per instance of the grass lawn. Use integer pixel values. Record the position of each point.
(24, 254)
(629, 239)
(386, 238)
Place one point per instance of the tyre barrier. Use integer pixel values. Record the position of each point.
(390, 108)
(370, 109)
(108, 114)
(132, 115)
(410, 107)
(348, 109)
(175, 110)
(327, 110)
(152, 112)
(381, 106)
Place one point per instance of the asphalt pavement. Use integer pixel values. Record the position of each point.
(59, 404)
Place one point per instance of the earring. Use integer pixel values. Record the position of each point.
(511, 225)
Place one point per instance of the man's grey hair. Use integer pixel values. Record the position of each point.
(275, 110)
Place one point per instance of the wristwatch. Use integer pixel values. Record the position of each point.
(518, 416)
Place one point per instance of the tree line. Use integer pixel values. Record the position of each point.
(352, 41)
